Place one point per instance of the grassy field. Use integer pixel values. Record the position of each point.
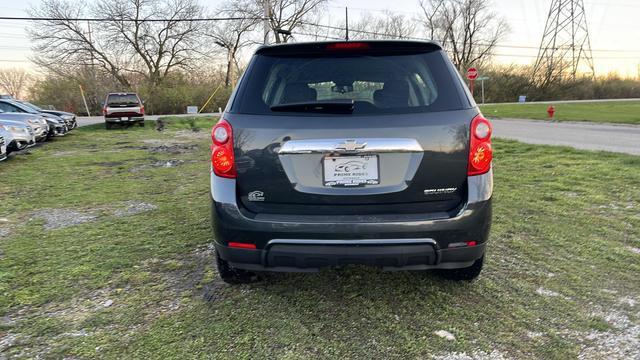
(105, 254)
(622, 112)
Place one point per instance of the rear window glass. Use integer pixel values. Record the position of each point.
(378, 84)
(122, 100)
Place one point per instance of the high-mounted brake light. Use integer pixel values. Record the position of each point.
(480, 151)
(348, 46)
(222, 158)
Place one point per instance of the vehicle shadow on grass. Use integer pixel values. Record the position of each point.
(350, 282)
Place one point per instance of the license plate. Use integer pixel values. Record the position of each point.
(351, 170)
(124, 118)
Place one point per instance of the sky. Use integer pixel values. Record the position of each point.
(615, 38)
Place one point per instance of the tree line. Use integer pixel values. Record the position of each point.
(176, 52)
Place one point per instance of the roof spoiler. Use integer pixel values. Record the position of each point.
(365, 46)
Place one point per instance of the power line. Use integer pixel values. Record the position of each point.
(128, 20)
(426, 39)
(374, 33)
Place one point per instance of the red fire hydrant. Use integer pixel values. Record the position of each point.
(551, 110)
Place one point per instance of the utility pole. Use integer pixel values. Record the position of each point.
(265, 22)
(346, 20)
(565, 47)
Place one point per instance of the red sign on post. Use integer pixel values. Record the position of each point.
(472, 74)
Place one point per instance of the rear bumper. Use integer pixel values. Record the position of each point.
(306, 243)
(304, 255)
(123, 119)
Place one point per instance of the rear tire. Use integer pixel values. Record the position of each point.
(464, 274)
(108, 125)
(141, 123)
(234, 276)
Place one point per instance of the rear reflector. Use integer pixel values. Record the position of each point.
(348, 46)
(463, 244)
(240, 245)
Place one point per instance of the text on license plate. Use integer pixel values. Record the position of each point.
(351, 170)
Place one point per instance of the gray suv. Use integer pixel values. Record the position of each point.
(335, 153)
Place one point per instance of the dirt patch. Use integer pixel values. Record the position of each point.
(64, 153)
(623, 342)
(7, 340)
(159, 164)
(62, 218)
(633, 249)
(190, 134)
(173, 149)
(544, 292)
(133, 208)
(168, 163)
(476, 355)
(167, 146)
(4, 232)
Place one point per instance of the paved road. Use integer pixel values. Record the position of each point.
(566, 101)
(588, 136)
(91, 120)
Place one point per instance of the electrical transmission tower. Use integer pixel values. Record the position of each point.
(565, 49)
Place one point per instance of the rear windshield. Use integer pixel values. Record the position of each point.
(378, 84)
(122, 100)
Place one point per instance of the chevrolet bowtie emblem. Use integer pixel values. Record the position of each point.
(350, 145)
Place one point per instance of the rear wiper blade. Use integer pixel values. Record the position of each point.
(327, 106)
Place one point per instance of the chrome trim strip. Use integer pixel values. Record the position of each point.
(371, 145)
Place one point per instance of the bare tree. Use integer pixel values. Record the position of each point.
(388, 26)
(284, 16)
(232, 36)
(124, 43)
(467, 29)
(14, 81)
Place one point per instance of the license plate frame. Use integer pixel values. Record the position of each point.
(354, 170)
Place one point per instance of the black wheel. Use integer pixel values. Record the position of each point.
(468, 273)
(234, 276)
(141, 124)
(108, 125)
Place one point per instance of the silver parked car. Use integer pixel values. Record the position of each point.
(3, 148)
(69, 118)
(8, 139)
(57, 126)
(37, 122)
(23, 135)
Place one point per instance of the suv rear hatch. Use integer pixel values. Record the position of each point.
(355, 129)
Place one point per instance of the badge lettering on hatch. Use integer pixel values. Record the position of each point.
(256, 195)
(440, 191)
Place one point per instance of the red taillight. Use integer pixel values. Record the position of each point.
(222, 159)
(142, 109)
(240, 245)
(104, 111)
(480, 151)
(348, 46)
